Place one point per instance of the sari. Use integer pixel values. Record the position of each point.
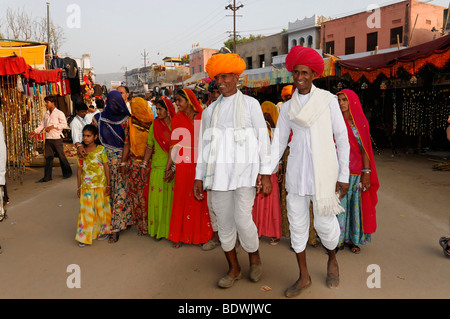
(363, 206)
(112, 124)
(159, 192)
(266, 209)
(138, 126)
(190, 222)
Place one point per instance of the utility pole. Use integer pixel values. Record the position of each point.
(234, 9)
(145, 64)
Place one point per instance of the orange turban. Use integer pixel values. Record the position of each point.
(287, 90)
(305, 56)
(225, 63)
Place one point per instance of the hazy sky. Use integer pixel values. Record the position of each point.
(116, 33)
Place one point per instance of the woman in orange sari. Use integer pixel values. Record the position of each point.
(136, 137)
(190, 222)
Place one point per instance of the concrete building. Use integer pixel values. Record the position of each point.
(407, 23)
(259, 53)
(198, 59)
(306, 32)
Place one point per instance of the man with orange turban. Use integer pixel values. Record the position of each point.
(233, 158)
(318, 163)
(286, 93)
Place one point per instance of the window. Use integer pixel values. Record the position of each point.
(349, 45)
(302, 42)
(310, 41)
(294, 43)
(249, 63)
(394, 32)
(261, 61)
(274, 53)
(193, 70)
(372, 41)
(200, 68)
(329, 47)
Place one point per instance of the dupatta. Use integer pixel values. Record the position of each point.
(184, 131)
(111, 132)
(139, 123)
(160, 129)
(369, 198)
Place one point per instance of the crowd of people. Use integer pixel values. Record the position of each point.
(231, 170)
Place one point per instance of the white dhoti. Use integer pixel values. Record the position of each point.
(212, 215)
(327, 227)
(233, 210)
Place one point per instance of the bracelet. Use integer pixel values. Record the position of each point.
(366, 170)
(79, 145)
(123, 164)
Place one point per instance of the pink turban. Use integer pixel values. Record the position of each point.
(305, 56)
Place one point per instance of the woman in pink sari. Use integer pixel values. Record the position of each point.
(267, 209)
(358, 221)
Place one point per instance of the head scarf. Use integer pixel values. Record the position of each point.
(368, 198)
(300, 55)
(139, 124)
(269, 108)
(225, 63)
(189, 95)
(115, 113)
(181, 120)
(287, 90)
(212, 86)
(160, 129)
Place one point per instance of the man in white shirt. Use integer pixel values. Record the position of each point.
(314, 171)
(53, 123)
(76, 126)
(234, 153)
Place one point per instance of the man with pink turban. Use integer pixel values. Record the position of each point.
(233, 158)
(318, 163)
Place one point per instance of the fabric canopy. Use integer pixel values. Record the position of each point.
(33, 55)
(436, 52)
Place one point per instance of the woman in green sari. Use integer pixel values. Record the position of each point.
(160, 192)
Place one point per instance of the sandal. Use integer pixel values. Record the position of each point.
(443, 241)
(177, 245)
(354, 248)
(339, 247)
(274, 241)
(113, 238)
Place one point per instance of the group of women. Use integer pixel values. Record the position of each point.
(152, 170)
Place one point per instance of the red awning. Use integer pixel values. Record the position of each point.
(436, 52)
(12, 65)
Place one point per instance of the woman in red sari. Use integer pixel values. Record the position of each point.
(190, 222)
(358, 221)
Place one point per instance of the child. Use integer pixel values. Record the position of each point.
(93, 178)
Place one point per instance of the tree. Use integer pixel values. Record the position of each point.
(20, 25)
(251, 37)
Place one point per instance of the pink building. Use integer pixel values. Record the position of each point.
(198, 59)
(405, 23)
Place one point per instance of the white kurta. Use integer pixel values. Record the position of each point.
(233, 170)
(299, 172)
(76, 129)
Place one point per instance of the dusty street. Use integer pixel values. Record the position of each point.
(38, 246)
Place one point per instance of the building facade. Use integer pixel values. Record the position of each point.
(260, 53)
(407, 23)
(306, 32)
(198, 59)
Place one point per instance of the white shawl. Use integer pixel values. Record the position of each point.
(316, 115)
(239, 137)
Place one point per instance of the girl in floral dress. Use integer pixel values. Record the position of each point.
(93, 178)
